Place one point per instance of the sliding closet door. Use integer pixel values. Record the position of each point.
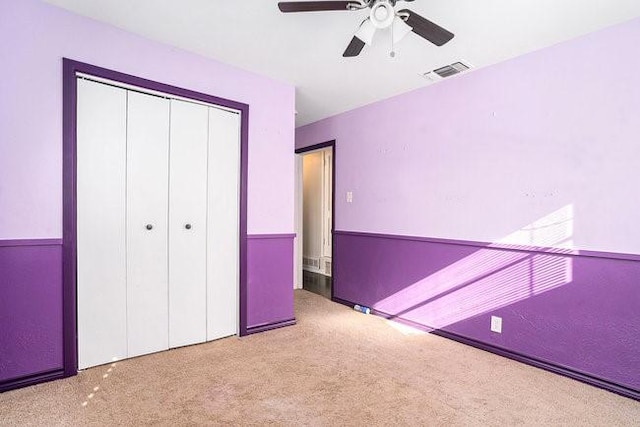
(223, 231)
(188, 224)
(101, 188)
(147, 223)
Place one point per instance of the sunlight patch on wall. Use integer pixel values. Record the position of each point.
(551, 231)
(493, 277)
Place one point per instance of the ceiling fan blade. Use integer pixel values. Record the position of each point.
(354, 48)
(312, 6)
(427, 29)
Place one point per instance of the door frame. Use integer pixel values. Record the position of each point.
(301, 151)
(69, 232)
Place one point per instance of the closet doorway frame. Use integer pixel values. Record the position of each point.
(70, 68)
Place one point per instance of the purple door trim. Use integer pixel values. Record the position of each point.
(327, 144)
(70, 68)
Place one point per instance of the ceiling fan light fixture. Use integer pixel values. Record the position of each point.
(382, 14)
(366, 32)
(400, 29)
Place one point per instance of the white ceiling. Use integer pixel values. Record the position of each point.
(305, 49)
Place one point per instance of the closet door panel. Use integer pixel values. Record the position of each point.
(147, 223)
(223, 227)
(188, 224)
(101, 251)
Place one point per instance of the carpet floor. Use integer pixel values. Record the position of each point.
(335, 367)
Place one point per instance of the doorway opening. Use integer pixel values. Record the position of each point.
(315, 173)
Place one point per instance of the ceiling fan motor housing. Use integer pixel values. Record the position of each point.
(382, 13)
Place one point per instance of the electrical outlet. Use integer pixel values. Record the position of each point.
(349, 197)
(496, 324)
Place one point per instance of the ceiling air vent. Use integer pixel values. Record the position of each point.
(447, 71)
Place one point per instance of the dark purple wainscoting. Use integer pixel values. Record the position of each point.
(269, 281)
(572, 313)
(30, 311)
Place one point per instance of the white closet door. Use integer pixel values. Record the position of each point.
(188, 224)
(222, 223)
(147, 223)
(101, 187)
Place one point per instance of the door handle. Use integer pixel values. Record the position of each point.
(187, 226)
(149, 226)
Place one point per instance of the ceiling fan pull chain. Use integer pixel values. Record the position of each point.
(392, 53)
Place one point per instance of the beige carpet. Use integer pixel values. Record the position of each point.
(335, 367)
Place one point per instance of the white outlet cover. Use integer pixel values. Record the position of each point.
(496, 324)
(349, 197)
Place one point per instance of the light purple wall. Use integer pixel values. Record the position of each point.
(269, 279)
(30, 308)
(482, 155)
(34, 38)
(541, 150)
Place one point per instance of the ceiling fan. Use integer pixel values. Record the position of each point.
(382, 15)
